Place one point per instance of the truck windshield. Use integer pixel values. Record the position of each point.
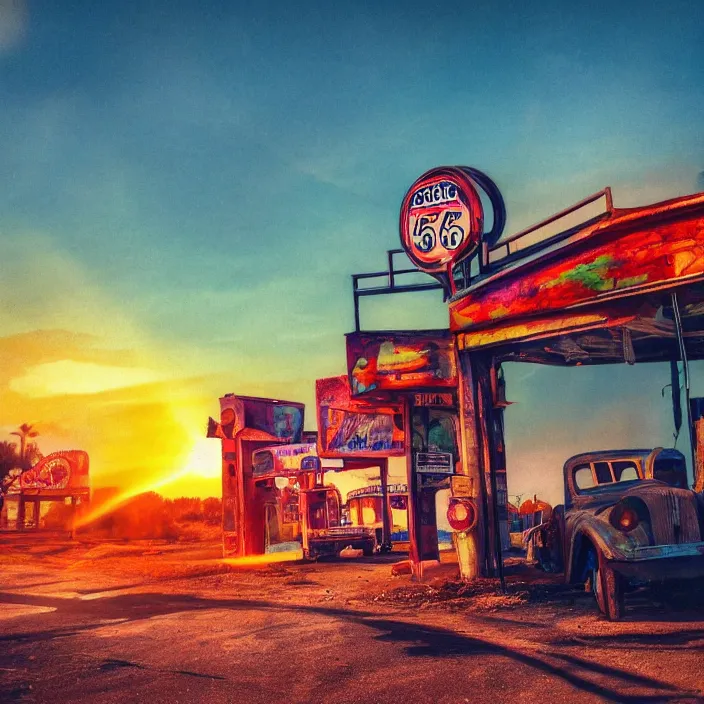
(597, 473)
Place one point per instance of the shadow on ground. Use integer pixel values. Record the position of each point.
(418, 640)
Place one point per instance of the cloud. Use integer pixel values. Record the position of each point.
(70, 377)
(44, 287)
(76, 363)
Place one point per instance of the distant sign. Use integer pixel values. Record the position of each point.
(434, 399)
(398, 361)
(461, 485)
(434, 463)
(375, 490)
(441, 219)
(311, 463)
(283, 458)
(434, 481)
(351, 428)
(58, 472)
(282, 419)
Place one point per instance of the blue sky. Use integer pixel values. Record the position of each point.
(189, 186)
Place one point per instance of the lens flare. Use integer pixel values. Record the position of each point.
(105, 508)
(203, 461)
(264, 559)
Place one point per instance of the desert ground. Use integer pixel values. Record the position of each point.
(151, 621)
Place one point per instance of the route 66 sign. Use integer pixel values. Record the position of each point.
(441, 219)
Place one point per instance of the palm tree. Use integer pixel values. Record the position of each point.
(26, 430)
(9, 460)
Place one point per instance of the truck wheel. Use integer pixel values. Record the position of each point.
(608, 588)
(368, 550)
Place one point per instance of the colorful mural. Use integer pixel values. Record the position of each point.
(282, 419)
(66, 470)
(632, 251)
(349, 428)
(231, 418)
(283, 458)
(397, 361)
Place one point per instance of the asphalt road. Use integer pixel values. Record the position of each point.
(155, 623)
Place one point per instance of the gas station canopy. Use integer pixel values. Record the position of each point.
(601, 292)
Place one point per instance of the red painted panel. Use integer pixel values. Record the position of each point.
(393, 361)
(352, 428)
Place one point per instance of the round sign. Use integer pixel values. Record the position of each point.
(441, 219)
(462, 514)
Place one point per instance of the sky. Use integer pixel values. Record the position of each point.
(186, 188)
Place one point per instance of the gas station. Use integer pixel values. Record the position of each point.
(590, 285)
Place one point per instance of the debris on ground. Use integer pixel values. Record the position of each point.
(403, 567)
(351, 552)
(481, 594)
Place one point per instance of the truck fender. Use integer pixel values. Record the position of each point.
(583, 538)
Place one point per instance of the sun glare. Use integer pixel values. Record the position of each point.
(105, 508)
(264, 559)
(204, 459)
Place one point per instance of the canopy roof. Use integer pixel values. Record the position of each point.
(600, 293)
(641, 330)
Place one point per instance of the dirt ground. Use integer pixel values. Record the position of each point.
(154, 622)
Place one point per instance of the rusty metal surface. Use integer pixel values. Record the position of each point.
(673, 514)
(629, 252)
(673, 529)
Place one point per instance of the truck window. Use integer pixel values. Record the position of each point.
(625, 470)
(603, 473)
(583, 477)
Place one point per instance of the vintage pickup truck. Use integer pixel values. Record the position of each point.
(628, 517)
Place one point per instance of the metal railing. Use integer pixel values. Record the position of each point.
(389, 279)
(514, 247)
(511, 247)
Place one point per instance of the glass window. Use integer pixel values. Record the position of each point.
(289, 502)
(671, 471)
(603, 473)
(419, 444)
(583, 477)
(333, 509)
(369, 510)
(272, 525)
(441, 433)
(263, 462)
(317, 512)
(625, 470)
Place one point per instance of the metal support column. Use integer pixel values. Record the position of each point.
(685, 373)
(385, 507)
(414, 550)
(471, 547)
